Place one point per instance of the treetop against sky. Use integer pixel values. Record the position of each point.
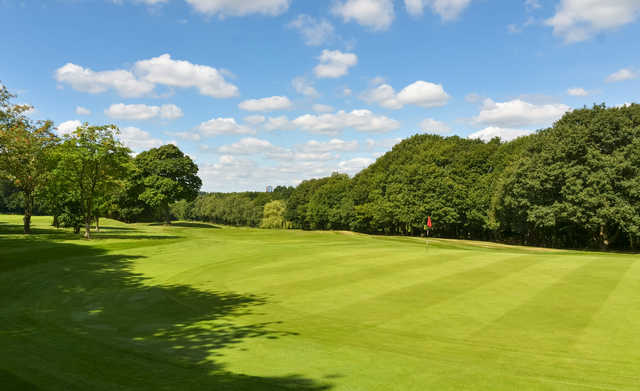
(269, 92)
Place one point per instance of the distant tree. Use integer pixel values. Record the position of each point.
(24, 149)
(181, 209)
(330, 205)
(94, 162)
(168, 175)
(273, 216)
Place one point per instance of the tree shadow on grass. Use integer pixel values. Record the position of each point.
(185, 224)
(41, 234)
(74, 317)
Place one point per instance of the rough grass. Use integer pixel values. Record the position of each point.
(200, 307)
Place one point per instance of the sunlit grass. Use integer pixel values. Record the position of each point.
(197, 306)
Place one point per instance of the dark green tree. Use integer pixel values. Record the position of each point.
(168, 175)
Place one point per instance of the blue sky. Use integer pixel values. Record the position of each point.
(271, 92)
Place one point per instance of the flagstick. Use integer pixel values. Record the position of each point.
(426, 241)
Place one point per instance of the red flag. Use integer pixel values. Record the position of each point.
(429, 221)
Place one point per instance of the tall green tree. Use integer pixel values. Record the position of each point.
(168, 176)
(24, 152)
(578, 184)
(94, 162)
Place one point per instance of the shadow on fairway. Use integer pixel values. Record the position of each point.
(74, 317)
(189, 225)
(40, 234)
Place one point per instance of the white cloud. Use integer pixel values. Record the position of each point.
(384, 95)
(233, 173)
(517, 113)
(579, 20)
(333, 145)
(255, 146)
(177, 73)
(334, 64)
(505, 134)
(347, 91)
(622, 75)
(143, 112)
(304, 87)
(255, 119)
(279, 123)
(68, 127)
(577, 91)
(138, 140)
(360, 120)
(86, 80)
(145, 76)
(220, 126)
(420, 93)
(224, 8)
(132, 112)
(272, 103)
(320, 108)
(424, 94)
(190, 136)
(82, 110)
(432, 126)
(170, 111)
(374, 14)
(239, 171)
(353, 166)
(248, 146)
(315, 32)
(447, 9)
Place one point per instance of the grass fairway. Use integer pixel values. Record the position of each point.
(195, 306)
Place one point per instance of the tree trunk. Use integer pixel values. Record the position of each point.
(88, 219)
(167, 215)
(604, 241)
(76, 229)
(56, 221)
(28, 210)
(27, 222)
(97, 223)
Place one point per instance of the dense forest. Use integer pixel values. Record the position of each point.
(575, 184)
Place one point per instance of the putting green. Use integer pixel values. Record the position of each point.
(200, 307)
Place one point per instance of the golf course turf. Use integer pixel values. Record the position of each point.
(201, 307)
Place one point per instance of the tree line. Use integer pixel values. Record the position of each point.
(573, 185)
(80, 177)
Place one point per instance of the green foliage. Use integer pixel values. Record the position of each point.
(92, 163)
(449, 179)
(168, 175)
(239, 209)
(181, 210)
(25, 148)
(273, 216)
(578, 183)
